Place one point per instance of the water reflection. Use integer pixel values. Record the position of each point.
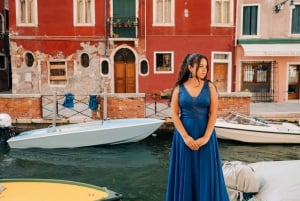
(258, 152)
(137, 170)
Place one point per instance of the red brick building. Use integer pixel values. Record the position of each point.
(121, 46)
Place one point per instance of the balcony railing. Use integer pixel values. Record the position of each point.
(123, 27)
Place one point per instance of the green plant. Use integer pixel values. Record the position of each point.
(166, 92)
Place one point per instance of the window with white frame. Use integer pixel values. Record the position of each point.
(250, 20)
(296, 20)
(222, 12)
(104, 67)
(163, 62)
(144, 67)
(163, 12)
(84, 12)
(85, 60)
(26, 12)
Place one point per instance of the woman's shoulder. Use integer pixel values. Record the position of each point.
(176, 89)
(211, 85)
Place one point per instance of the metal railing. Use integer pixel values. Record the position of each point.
(124, 27)
(157, 108)
(52, 106)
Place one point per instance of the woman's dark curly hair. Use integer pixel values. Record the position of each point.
(190, 59)
(184, 73)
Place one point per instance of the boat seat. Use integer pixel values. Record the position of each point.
(290, 126)
(241, 180)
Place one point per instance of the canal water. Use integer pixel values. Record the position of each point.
(136, 170)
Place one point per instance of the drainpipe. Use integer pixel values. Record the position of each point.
(105, 26)
(145, 26)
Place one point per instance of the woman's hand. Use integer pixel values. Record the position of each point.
(191, 143)
(202, 141)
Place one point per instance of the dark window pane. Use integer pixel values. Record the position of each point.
(144, 67)
(85, 60)
(1, 24)
(2, 62)
(29, 59)
(296, 20)
(104, 67)
(250, 14)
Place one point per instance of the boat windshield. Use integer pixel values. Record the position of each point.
(237, 118)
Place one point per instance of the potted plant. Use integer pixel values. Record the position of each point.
(155, 95)
(166, 93)
(116, 23)
(128, 23)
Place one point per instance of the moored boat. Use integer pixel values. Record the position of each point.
(53, 190)
(98, 132)
(265, 180)
(239, 127)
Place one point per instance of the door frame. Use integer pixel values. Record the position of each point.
(112, 72)
(287, 81)
(229, 67)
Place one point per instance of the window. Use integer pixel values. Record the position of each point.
(163, 62)
(250, 20)
(26, 11)
(144, 67)
(84, 12)
(256, 76)
(104, 67)
(2, 29)
(222, 13)
(296, 20)
(29, 59)
(248, 73)
(163, 12)
(84, 60)
(57, 73)
(2, 62)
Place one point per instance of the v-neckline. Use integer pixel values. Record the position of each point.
(198, 92)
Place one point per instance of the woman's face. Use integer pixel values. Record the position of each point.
(202, 70)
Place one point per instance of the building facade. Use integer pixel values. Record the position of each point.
(268, 49)
(5, 68)
(118, 46)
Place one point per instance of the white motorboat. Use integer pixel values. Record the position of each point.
(98, 132)
(266, 180)
(242, 128)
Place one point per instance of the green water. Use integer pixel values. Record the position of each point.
(136, 170)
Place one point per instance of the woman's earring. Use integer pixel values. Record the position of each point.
(191, 75)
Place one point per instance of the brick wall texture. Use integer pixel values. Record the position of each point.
(117, 107)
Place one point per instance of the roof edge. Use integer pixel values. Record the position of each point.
(269, 41)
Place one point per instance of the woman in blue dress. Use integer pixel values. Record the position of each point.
(195, 168)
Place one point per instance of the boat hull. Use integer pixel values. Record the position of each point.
(53, 190)
(115, 131)
(255, 134)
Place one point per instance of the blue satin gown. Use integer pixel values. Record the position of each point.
(195, 175)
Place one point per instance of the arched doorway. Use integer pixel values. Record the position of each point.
(124, 71)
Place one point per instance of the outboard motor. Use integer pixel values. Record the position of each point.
(6, 129)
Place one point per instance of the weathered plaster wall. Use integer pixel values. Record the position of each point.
(80, 80)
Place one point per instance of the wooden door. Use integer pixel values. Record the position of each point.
(220, 76)
(130, 77)
(125, 77)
